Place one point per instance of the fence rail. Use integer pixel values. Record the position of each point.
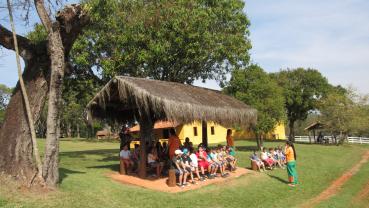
(358, 140)
(330, 140)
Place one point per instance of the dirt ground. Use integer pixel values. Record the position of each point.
(161, 185)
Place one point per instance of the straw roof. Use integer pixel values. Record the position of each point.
(125, 98)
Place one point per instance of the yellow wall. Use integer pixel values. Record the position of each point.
(277, 133)
(220, 133)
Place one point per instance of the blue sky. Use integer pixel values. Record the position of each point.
(331, 36)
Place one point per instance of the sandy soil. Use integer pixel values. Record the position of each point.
(161, 185)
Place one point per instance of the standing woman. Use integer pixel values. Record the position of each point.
(291, 163)
(229, 139)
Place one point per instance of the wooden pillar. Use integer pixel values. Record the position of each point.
(146, 132)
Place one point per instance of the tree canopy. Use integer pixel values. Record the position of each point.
(302, 90)
(179, 41)
(256, 88)
(345, 112)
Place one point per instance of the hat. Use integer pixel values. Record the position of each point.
(177, 152)
(185, 151)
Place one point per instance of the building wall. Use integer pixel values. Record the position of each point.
(278, 133)
(219, 136)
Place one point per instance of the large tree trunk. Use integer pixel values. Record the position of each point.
(51, 162)
(15, 137)
(292, 131)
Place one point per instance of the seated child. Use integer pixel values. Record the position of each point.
(125, 156)
(153, 161)
(177, 164)
(274, 155)
(195, 165)
(266, 159)
(213, 167)
(186, 163)
(202, 160)
(221, 161)
(230, 157)
(254, 158)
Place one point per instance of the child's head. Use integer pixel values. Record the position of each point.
(264, 149)
(187, 139)
(271, 149)
(125, 147)
(185, 151)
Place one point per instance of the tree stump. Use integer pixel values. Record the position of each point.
(122, 168)
(254, 167)
(171, 178)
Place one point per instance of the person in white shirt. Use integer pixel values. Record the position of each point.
(125, 156)
(195, 164)
(153, 161)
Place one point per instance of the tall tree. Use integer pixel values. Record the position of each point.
(256, 88)
(302, 90)
(31, 123)
(179, 41)
(40, 59)
(345, 112)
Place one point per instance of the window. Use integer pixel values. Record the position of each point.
(195, 131)
(212, 130)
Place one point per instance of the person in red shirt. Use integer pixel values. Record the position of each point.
(173, 142)
(202, 160)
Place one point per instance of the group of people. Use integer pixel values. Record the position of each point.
(269, 158)
(277, 157)
(206, 163)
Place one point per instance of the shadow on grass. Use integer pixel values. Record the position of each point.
(109, 154)
(246, 148)
(278, 179)
(64, 173)
(113, 167)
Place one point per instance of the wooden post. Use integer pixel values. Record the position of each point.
(146, 132)
(172, 178)
(122, 168)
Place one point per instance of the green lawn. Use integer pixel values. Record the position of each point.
(84, 184)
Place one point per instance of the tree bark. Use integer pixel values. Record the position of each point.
(292, 131)
(25, 99)
(146, 133)
(78, 133)
(16, 147)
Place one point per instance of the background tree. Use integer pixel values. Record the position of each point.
(345, 112)
(5, 93)
(256, 88)
(169, 40)
(302, 90)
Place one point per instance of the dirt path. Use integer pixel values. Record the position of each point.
(334, 188)
(363, 194)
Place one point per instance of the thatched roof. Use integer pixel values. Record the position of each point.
(123, 98)
(315, 125)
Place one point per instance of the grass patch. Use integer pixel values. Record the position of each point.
(83, 165)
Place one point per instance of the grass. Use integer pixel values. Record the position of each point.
(83, 166)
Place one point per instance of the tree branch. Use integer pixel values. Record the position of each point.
(72, 20)
(6, 40)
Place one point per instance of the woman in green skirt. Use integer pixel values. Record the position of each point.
(291, 163)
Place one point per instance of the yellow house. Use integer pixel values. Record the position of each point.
(198, 131)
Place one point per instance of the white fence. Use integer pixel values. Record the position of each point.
(330, 139)
(358, 140)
